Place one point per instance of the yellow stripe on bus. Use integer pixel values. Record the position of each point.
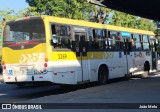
(67, 56)
(11, 56)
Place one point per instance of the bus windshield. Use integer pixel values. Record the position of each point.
(24, 30)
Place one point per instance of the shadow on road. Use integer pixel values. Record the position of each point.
(12, 93)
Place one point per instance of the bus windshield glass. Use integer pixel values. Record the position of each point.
(24, 30)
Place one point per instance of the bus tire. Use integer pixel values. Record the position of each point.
(102, 75)
(146, 70)
(128, 76)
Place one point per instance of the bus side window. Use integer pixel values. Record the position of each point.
(145, 43)
(95, 40)
(90, 34)
(112, 40)
(118, 42)
(99, 39)
(106, 40)
(137, 40)
(101, 36)
(53, 29)
(109, 40)
(156, 45)
(61, 37)
(53, 36)
(133, 43)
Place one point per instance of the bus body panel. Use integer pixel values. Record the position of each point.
(43, 62)
(23, 63)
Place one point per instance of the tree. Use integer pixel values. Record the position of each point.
(8, 14)
(29, 11)
(75, 9)
(123, 19)
(146, 24)
(100, 14)
(131, 21)
(80, 9)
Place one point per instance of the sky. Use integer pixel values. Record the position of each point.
(16, 5)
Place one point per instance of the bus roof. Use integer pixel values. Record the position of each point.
(95, 25)
(87, 24)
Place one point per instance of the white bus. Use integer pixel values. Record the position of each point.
(66, 51)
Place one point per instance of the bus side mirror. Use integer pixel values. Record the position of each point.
(54, 40)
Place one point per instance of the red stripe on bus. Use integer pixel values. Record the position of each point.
(27, 43)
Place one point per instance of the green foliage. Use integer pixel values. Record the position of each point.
(146, 24)
(127, 20)
(75, 9)
(80, 9)
(123, 19)
(100, 14)
(29, 11)
(8, 14)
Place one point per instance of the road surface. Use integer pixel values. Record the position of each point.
(135, 90)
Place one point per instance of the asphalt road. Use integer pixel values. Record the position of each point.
(135, 90)
(12, 93)
(124, 91)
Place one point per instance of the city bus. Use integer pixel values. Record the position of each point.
(0, 49)
(66, 51)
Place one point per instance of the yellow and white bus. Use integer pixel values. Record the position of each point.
(66, 51)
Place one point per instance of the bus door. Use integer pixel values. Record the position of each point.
(127, 50)
(81, 54)
(154, 43)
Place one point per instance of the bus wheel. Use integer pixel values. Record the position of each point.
(146, 70)
(102, 75)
